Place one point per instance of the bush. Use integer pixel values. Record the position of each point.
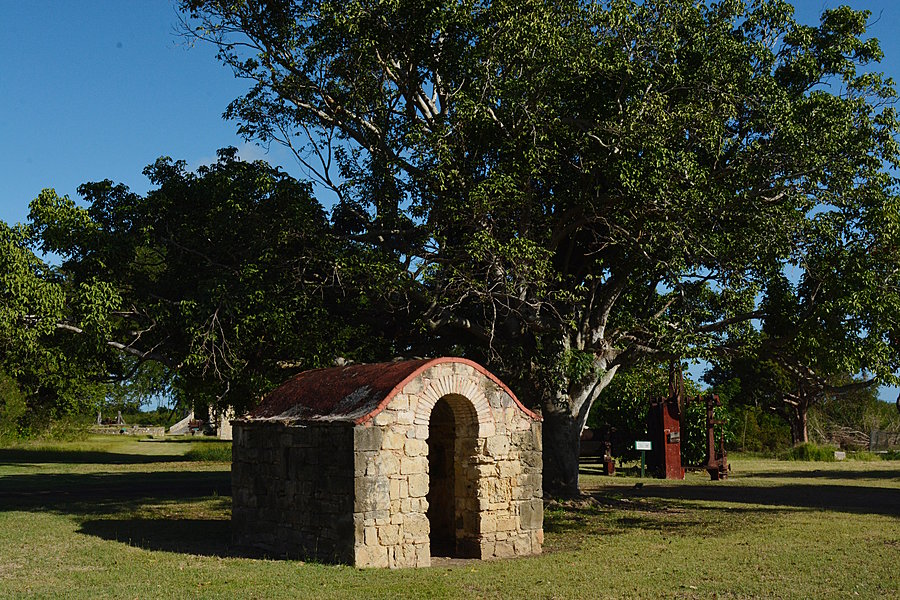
(212, 451)
(12, 408)
(863, 456)
(809, 452)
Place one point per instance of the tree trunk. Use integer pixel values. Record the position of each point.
(562, 445)
(799, 431)
(563, 422)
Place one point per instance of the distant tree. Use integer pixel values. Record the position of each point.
(848, 420)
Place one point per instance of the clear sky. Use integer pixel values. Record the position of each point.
(95, 90)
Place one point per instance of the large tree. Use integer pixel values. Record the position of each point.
(569, 185)
(45, 373)
(230, 278)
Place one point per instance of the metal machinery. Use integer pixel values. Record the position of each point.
(664, 427)
(716, 462)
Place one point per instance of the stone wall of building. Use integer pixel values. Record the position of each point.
(499, 507)
(293, 489)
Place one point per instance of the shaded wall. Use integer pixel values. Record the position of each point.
(292, 489)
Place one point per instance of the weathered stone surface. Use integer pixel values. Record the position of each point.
(415, 447)
(393, 440)
(413, 465)
(418, 485)
(367, 438)
(497, 446)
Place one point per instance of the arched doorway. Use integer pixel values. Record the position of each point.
(452, 478)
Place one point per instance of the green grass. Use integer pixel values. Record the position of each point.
(209, 451)
(127, 519)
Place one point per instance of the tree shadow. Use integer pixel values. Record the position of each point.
(842, 498)
(26, 456)
(102, 493)
(829, 474)
(203, 537)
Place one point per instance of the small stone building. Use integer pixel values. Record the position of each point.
(387, 465)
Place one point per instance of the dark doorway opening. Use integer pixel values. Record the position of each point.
(442, 479)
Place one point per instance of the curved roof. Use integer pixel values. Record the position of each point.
(353, 393)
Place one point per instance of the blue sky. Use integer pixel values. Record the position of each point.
(97, 90)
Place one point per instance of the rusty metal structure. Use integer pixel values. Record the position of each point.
(664, 428)
(716, 462)
(664, 425)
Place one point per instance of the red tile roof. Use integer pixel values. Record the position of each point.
(354, 393)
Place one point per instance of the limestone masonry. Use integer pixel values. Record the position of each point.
(388, 465)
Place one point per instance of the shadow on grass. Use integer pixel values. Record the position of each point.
(204, 537)
(829, 474)
(20, 456)
(842, 498)
(102, 493)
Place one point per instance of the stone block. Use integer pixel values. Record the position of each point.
(423, 555)
(395, 490)
(531, 514)
(522, 545)
(387, 463)
(400, 402)
(509, 468)
(486, 470)
(504, 549)
(393, 440)
(389, 535)
(418, 485)
(487, 548)
(367, 438)
(413, 387)
(486, 429)
(416, 447)
(507, 524)
(385, 417)
(416, 527)
(488, 523)
(497, 446)
(413, 465)
(371, 493)
(371, 557)
(371, 536)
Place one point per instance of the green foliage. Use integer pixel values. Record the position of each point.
(228, 274)
(12, 408)
(622, 407)
(864, 456)
(756, 429)
(809, 452)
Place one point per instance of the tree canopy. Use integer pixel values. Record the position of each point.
(570, 186)
(229, 277)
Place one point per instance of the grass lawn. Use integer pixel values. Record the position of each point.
(121, 518)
